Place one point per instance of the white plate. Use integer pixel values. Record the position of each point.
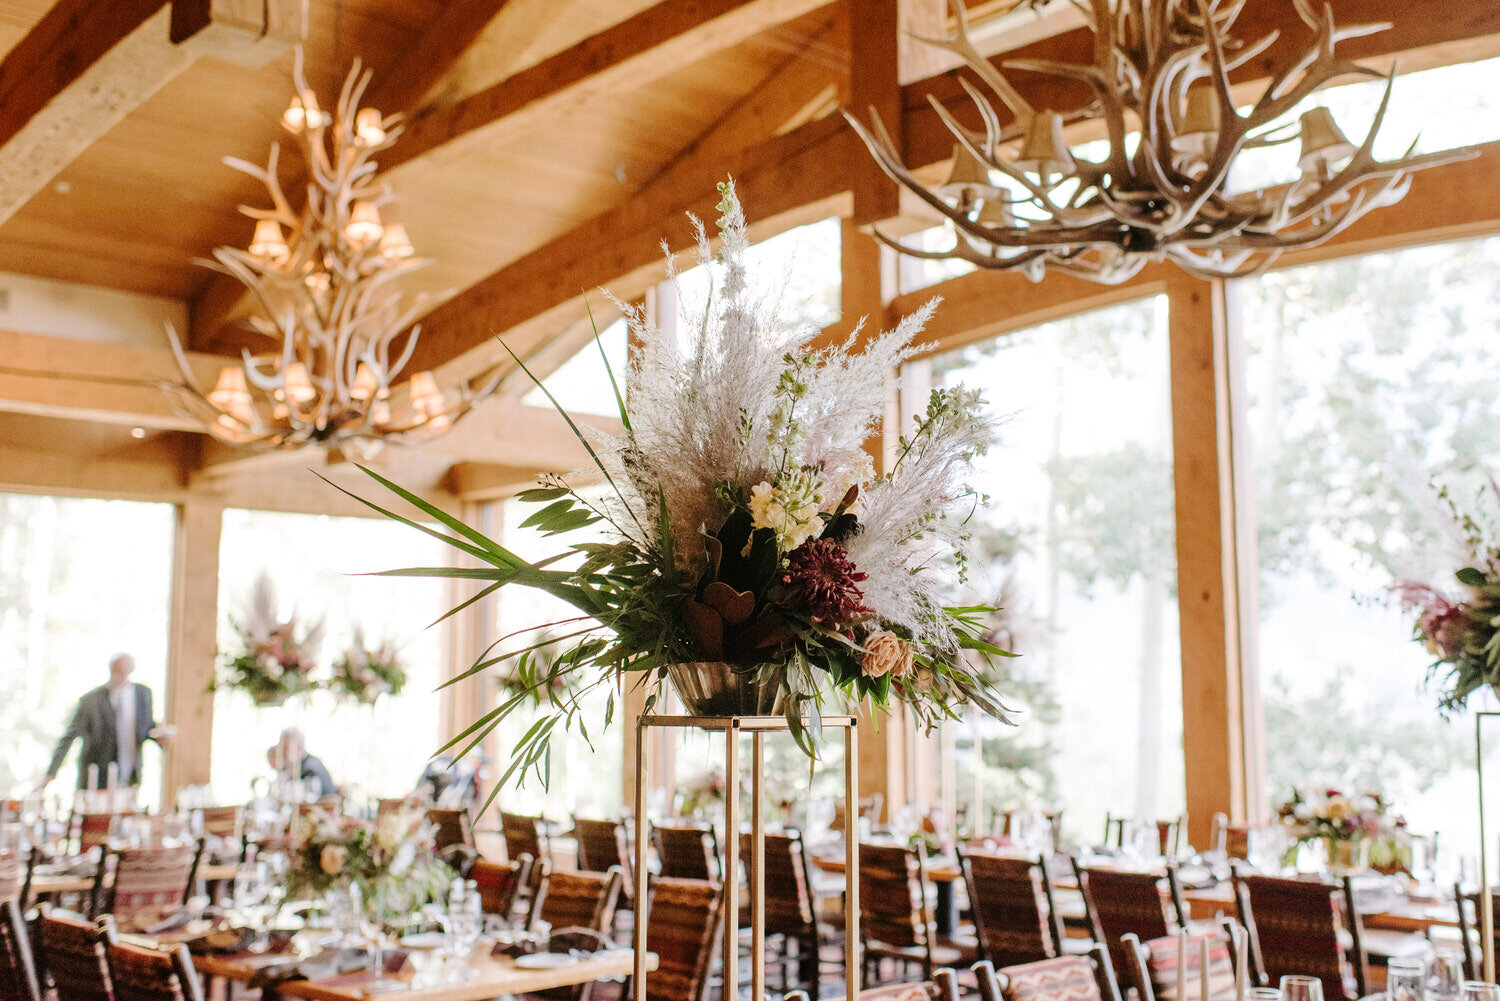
(424, 940)
(544, 960)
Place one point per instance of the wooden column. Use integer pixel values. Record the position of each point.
(465, 637)
(192, 645)
(1210, 488)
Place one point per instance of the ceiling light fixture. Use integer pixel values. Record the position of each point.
(325, 281)
(1160, 91)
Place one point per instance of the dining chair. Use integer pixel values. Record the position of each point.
(683, 918)
(1300, 926)
(147, 884)
(1471, 949)
(525, 835)
(1131, 903)
(1088, 977)
(1152, 968)
(1015, 918)
(12, 876)
(92, 830)
(451, 828)
(226, 824)
(943, 987)
(499, 884)
(18, 977)
(895, 920)
(138, 973)
(790, 912)
(72, 954)
(579, 900)
(687, 850)
(1168, 833)
(603, 844)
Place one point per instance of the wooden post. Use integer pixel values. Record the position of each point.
(192, 645)
(1207, 414)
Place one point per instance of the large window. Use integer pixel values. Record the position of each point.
(319, 567)
(1077, 544)
(1371, 384)
(80, 580)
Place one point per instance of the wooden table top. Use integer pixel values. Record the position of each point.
(493, 976)
(44, 883)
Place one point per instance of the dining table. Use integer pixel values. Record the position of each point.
(74, 880)
(486, 975)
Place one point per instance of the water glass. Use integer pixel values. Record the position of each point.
(1296, 988)
(1264, 847)
(1265, 994)
(1478, 990)
(1445, 975)
(1404, 980)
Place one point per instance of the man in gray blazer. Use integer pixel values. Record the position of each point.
(113, 721)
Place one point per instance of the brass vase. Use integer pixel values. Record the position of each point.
(714, 688)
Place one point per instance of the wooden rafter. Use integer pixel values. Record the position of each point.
(87, 65)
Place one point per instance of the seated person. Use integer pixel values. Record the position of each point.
(292, 762)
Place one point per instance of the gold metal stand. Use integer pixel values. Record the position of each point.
(734, 727)
(1486, 905)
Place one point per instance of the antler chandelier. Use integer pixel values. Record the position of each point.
(1161, 93)
(325, 280)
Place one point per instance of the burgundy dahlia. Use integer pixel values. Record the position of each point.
(820, 576)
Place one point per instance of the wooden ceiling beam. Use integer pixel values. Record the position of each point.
(635, 52)
(399, 87)
(786, 181)
(86, 65)
(89, 380)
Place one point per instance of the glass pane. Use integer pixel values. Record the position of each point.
(1078, 546)
(1367, 378)
(80, 580)
(316, 565)
(582, 384)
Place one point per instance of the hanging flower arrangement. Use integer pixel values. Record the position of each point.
(277, 658)
(363, 674)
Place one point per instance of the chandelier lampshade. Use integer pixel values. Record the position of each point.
(1159, 91)
(327, 281)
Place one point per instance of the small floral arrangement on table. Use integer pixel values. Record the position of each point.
(363, 675)
(1460, 626)
(1348, 824)
(330, 852)
(278, 658)
(747, 528)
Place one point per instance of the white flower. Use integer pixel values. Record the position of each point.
(789, 508)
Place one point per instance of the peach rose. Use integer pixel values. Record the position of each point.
(886, 653)
(331, 860)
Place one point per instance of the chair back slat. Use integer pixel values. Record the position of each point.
(687, 851)
(1299, 926)
(73, 954)
(1066, 978)
(580, 899)
(603, 844)
(142, 974)
(18, 979)
(682, 925)
(498, 883)
(1012, 913)
(450, 827)
(1160, 960)
(788, 898)
(892, 910)
(148, 883)
(1126, 903)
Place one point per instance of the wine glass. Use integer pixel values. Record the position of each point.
(1478, 990)
(465, 922)
(250, 886)
(1404, 980)
(1298, 988)
(1445, 975)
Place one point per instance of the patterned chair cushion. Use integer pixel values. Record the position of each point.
(1162, 962)
(1068, 978)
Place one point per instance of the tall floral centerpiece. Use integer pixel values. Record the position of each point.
(1460, 625)
(754, 559)
(276, 658)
